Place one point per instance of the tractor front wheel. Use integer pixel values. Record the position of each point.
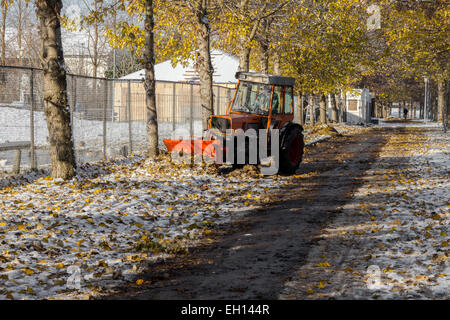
(291, 150)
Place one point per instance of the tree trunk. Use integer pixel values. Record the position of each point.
(19, 31)
(264, 57)
(95, 58)
(340, 106)
(264, 47)
(323, 109)
(447, 103)
(441, 100)
(3, 35)
(311, 109)
(334, 109)
(276, 64)
(204, 64)
(55, 90)
(378, 108)
(150, 98)
(300, 109)
(244, 59)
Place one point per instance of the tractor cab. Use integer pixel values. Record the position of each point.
(260, 102)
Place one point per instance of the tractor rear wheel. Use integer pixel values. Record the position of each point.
(291, 150)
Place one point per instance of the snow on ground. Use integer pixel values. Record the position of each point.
(109, 221)
(398, 123)
(97, 221)
(88, 136)
(15, 126)
(391, 241)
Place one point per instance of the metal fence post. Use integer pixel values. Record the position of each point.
(300, 108)
(218, 101)
(174, 101)
(74, 103)
(17, 160)
(130, 138)
(32, 148)
(72, 108)
(105, 104)
(191, 112)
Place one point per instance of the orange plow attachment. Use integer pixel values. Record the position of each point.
(205, 147)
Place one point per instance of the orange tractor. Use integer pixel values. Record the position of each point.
(261, 103)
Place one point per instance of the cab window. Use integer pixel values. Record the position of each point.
(277, 100)
(252, 98)
(288, 100)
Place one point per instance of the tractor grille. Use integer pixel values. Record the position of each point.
(221, 124)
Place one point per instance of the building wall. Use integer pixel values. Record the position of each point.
(358, 104)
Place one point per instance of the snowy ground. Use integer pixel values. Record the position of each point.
(15, 126)
(94, 223)
(88, 136)
(97, 224)
(391, 241)
(397, 123)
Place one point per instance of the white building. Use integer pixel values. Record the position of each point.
(225, 68)
(177, 88)
(358, 104)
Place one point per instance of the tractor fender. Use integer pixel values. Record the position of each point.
(287, 126)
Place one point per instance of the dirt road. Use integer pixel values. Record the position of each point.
(263, 255)
(254, 257)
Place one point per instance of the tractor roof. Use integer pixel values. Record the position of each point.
(265, 78)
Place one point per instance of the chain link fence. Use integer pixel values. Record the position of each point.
(108, 116)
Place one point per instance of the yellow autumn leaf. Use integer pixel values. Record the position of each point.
(324, 265)
(321, 285)
(28, 271)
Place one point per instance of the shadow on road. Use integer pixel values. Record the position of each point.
(252, 258)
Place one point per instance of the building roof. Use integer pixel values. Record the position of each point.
(225, 68)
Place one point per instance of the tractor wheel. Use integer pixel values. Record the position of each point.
(291, 152)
